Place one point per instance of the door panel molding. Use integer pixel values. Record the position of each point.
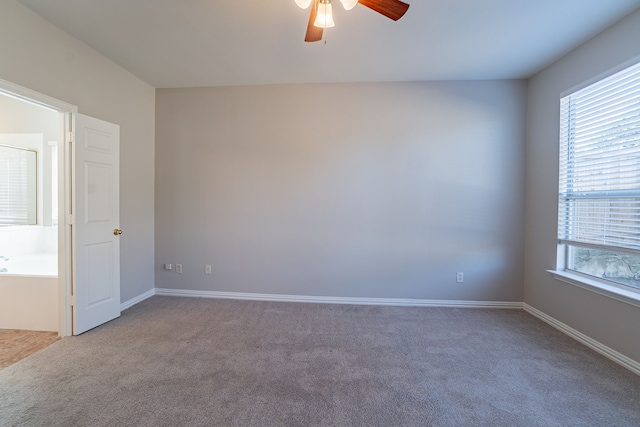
(95, 207)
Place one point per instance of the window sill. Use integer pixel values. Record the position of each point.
(18, 227)
(598, 286)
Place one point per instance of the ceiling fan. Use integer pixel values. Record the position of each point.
(322, 17)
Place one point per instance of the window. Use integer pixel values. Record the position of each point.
(599, 188)
(18, 180)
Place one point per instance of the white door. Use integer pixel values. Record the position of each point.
(95, 229)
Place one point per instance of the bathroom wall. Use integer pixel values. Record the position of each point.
(19, 117)
(30, 301)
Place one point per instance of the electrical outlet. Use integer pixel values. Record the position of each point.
(207, 269)
(179, 268)
(459, 276)
(168, 266)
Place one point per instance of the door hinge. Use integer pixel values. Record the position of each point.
(72, 301)
(71, 219)
(71, 137)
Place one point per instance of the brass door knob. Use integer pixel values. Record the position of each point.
(117, 232)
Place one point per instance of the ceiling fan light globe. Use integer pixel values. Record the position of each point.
(349, 4)
(324, 18)
(303, 4)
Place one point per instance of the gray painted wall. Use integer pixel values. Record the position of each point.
(41, 57)
(347, 190)
(610, 322)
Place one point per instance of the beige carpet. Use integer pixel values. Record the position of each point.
(178, 361)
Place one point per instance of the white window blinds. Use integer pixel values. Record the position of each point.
(599, 194)
(18, 183)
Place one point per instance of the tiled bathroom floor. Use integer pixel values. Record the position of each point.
(17, 344)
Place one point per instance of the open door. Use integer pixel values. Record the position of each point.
(95, 223)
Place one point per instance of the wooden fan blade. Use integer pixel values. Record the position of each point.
(394, 9)
(314, 33)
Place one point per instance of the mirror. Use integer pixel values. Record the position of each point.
(18, 186)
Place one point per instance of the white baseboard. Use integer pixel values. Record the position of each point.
(608, 352)
(337, 300)
(135, 300)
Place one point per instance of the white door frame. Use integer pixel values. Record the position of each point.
(65, 254)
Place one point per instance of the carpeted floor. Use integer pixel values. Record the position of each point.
(16, 344)
(180, 361)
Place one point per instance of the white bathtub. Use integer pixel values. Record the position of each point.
(30, 265)
(29, 292)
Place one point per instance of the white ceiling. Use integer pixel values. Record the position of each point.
(191, 43)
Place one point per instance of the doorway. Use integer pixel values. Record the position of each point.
(44, 295)
(88, 282)
(29, 136)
